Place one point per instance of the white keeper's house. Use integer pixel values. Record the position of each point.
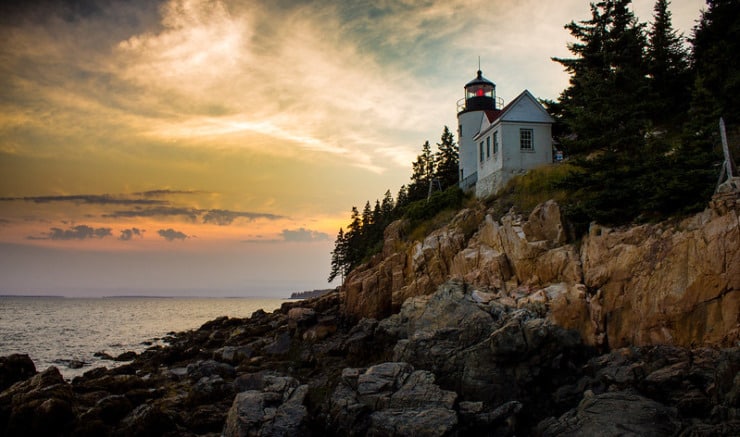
(497, 142)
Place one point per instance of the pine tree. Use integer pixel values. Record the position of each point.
(604, 106)
(338, 257)
(386, 208)
(714, 59)
(402, 199)
(668, 68)
(353, 238)
(447, 160)
(422, 173)
(604, 110)
(716, 56)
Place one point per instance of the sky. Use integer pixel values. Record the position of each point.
(215, 147)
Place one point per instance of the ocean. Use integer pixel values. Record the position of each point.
(67, 332)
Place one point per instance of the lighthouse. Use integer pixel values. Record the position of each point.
(480, 96)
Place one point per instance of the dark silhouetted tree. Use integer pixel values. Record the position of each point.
(447, 160)
(422, 173)
(668, 68)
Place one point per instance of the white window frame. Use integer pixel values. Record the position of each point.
(526, 139)
(495, 144)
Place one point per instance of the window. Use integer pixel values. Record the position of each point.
(488, 147)
(481, 151)
(495, 143)
(526, 137)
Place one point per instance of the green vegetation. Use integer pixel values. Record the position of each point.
(433, 188)
(638, 121)
(524, 192)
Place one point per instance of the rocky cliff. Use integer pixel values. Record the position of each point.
(667, 283)
(529, 339)
(457, 362)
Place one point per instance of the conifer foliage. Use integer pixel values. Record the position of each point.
(432, 172)
(624, 116)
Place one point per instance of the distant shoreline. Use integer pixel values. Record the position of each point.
(310, 294)
(51, 296)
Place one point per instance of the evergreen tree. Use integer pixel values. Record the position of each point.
(422, 173)
(402, 199)
(447, 160)
(604, 106)
(716, 56)
(668, 68)
(604, 111)
(386, 208)
(367, 216)
(338, 257)
(353, 238)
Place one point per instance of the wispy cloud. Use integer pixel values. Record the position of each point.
(163, 211)
(165, 192)
(300, 235)
(218, 217)
(92, 199)
(223, 217)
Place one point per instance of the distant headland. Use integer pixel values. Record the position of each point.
(310, 294)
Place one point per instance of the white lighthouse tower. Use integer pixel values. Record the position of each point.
(480, 96)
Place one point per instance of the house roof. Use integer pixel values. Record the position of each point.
(493, 115)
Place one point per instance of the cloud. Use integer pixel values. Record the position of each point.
(128, 234)
(165, 192)
(79, 232)
(93, 199)
(300, 235)
(171, 234)
(220, 217)
(164, 211)
(223, 217)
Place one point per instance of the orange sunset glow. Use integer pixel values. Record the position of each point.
(207, 147)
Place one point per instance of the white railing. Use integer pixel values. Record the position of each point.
(461, 104)
(469, 182)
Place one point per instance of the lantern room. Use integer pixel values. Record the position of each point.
(480, 94)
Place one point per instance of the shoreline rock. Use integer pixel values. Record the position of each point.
(460, 361)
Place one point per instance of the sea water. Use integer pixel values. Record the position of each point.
(68, 332)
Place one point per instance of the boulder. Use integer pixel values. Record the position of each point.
(41, 405)
(276, 409)
(391, 399)
(125, 356)
(207, 368)
(411, 422)
(148, 420)
(233, 354)
(209, 389)
(14, 368)
(613, 414)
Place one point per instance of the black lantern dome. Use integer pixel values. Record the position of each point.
(480, 94)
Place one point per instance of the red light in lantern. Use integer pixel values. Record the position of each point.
(479, 93)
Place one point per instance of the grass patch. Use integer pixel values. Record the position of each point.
(426, 215)
(525, 192)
